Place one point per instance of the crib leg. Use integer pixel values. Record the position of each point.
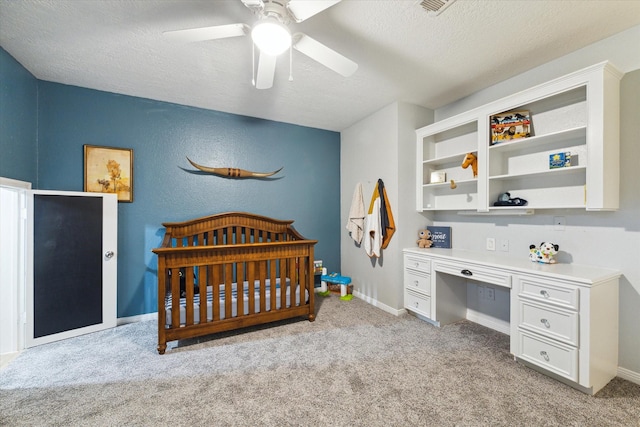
(312, 317)
(162, 347)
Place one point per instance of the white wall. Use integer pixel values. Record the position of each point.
(607, 239)
(382, 146)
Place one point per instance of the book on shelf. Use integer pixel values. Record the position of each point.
(510, 125)
(440, 236)
(561, 160)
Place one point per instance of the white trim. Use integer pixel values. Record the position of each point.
(138, 318)
(489, 322)
(378, 304)
(629, 375)
(8, 182)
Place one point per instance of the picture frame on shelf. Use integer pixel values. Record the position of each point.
(440, 236)
(510, 125)
(109, 170)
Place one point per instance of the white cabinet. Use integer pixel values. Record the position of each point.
(567, 326)
(578, 113)
(417, 280)
(563, 317)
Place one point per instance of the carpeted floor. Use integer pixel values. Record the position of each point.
(354, 366)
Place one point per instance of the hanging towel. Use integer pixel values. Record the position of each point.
(386, 216)
(355, 222)
(373, 229)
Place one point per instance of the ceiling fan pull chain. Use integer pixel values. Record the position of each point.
(290, 63)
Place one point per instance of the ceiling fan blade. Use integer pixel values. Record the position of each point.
(207, 33)
(324, 55)
(266, 71)
(305, 9)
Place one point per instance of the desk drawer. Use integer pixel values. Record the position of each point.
(415, 262)
(552, 356)
(418, 303)
(550, 322)
(480, 273)
(418, 281)
(550, 293)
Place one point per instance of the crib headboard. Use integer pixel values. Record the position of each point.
(230, 228)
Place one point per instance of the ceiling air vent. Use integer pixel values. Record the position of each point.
(435, 7)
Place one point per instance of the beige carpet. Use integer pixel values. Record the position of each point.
(354, 366)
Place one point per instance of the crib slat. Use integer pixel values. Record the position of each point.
(228, 291)
(202, 283)
(240, 285)
(263, 286)
(251, 277)
(175, 298)
(283, 282)
(215, 284)
(272, 279)
(188, 275)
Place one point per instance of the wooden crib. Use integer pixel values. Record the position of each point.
(257, 269)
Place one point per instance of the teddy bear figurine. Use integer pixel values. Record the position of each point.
(544, 253)
(425, 239)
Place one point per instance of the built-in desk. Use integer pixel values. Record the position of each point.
(563, 318)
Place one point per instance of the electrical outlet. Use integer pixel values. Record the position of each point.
(504, 245)
(481, 292)
(490, 294)
(491, 244)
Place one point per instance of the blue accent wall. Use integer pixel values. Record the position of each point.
(167, 188)
(18, 121)
(44, 126)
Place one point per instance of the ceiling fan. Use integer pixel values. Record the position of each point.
(271, 35)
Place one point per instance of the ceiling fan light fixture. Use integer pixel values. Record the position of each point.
(271, 36)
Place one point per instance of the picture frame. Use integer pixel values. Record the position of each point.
(510, 125)
(109, 170)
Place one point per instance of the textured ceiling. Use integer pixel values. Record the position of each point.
(403, 53)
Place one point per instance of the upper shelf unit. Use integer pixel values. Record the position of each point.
(576, 114)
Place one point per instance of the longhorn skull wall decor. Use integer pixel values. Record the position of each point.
(233, 172)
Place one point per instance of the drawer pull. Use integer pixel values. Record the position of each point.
(416, 283)
(466, 272)
(544, 355)
(544, 293)
(417, 264)
(545, 322)
(417, 304)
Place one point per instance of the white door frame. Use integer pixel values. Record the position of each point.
(13, 194)
(109, 268)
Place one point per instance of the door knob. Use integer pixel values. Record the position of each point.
(109, 254)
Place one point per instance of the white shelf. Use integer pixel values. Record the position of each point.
(563, 119)
(447, 184)
(540, 141)
(557, 172)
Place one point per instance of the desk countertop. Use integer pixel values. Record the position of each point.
(587, 274)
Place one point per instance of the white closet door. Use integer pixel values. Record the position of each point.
(71, 264)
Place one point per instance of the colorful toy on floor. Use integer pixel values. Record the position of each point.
(329, 282)
(425, 239)
(544, 253)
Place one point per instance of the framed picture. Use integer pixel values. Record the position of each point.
(510, 125)
(109, 170)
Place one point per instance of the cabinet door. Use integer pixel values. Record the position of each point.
(71, 264)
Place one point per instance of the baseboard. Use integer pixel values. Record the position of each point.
(6, 358)
(378, 304)
(138, 318)
(489, 322)
(629, 375)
